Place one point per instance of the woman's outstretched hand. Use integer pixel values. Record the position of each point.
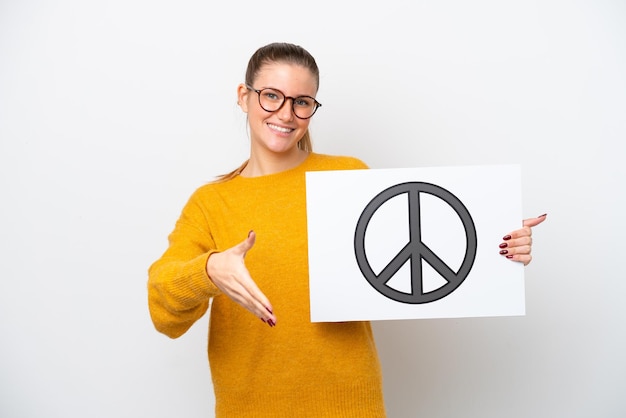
(517, 245)
(228, 272)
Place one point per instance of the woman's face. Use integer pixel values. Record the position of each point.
(278, 131)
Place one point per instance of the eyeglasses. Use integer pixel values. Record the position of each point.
(272, 100)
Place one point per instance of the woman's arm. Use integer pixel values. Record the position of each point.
(179, 288)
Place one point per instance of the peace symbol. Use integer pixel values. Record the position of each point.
(415, 250)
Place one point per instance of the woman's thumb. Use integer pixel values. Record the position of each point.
(248, 243)
(535, 221)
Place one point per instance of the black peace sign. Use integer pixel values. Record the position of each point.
(415, 250)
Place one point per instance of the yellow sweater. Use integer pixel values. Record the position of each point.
(296, 369)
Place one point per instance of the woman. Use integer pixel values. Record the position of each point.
(299, 368)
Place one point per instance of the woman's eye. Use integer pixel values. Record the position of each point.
(304, 102)
(271, 96)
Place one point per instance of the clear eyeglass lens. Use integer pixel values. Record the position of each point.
(271, 100)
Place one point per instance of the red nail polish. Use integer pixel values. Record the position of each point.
(509, 256)
(269, 310)
(503, 252)
(262, 319)
(271, 323)
(506, 237)
(503, 245)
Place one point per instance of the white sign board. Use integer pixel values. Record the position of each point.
(413, 243)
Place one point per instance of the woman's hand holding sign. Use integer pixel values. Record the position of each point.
(517, 245)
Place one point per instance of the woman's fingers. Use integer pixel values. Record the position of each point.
(262, 304)
(243, 290)
(517, 245)
(522, 258)
(255, 301)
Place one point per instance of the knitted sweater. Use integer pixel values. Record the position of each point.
(298, 368)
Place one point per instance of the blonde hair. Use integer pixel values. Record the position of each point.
(272, 53)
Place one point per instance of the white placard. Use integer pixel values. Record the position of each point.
(413, 243)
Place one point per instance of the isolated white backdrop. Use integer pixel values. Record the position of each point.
(112, 113)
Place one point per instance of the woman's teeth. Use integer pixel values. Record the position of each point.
(279, 128)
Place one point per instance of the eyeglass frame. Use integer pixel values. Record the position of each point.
(285, 97)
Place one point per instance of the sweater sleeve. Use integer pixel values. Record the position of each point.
(179, 288)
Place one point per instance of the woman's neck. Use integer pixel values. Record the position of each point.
(261, 164)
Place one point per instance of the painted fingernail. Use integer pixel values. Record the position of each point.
(250, 233)
(269, 310)
(262, 319)
(503, 245)
(503, 252)
(509, 256)
(541, 216)
(506, 237)
(271, 323)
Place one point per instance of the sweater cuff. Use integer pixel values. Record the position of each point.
(197, 279)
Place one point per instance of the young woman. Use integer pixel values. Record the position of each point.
(246, 232)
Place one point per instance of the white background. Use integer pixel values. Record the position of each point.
(112, 113)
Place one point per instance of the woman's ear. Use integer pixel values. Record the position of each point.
(242, 97)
